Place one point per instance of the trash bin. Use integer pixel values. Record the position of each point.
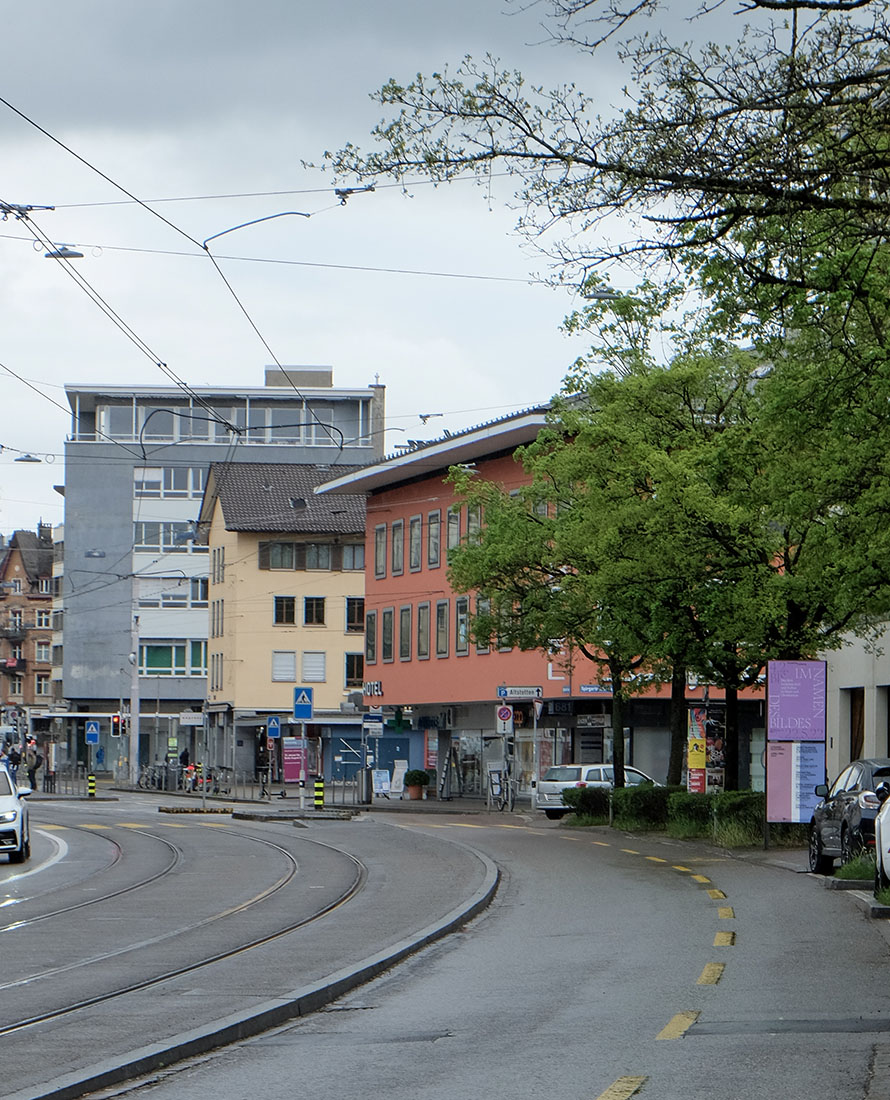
(365, 786)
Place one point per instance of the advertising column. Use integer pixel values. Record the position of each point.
(795, 732)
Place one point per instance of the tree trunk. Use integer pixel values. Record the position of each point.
(616, 671)
(731, 741)
(679, 721)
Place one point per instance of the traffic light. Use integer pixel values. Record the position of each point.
(115, 725)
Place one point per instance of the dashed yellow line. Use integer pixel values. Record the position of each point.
(575, 838)
(213, 824)
(623, 1088)
(175, 824)
(726, 912)
(89, 825)
(602, 843)
(711, 974)
(130, 825)
(54, 828)
(678, 867)
(630, 851)
(678, 1025)
(656, 859)
(716, 894)
(724, 939)
(700, 878)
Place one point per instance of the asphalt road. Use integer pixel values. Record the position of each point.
(606, 966)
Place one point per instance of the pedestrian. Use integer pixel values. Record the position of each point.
(184, 758)
(14, 759)
(33, 760)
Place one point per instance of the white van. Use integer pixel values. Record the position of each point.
(560, 776)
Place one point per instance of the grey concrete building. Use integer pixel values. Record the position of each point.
(135, 579)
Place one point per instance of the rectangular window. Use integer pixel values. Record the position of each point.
(483, 607)
(386, 631)
(405, 633)
(43, 619)
(16, 622)
(415, 541)
(398, 547)
(42, 684)
(423, 631)
(176, 481)
(355, 670)
(198, 591)
(284, 665)
(461, 625)
(281, 555)
(318, 555)
(380, 550)
(16, 684)
(433, 538)
(285, 610)
(442, 628)
(197, 658)
(355, 614)
(313, 610)
(147, 481)
(162, 659)
(474, 522)
(371, 637)
(313, 667)
(45, 586)
(43, 652)
(453, 535)
(354, 555)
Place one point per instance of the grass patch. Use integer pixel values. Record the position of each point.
(689, 828)
(584, 821)
(733, 833)
(882, 896)
(859, 867)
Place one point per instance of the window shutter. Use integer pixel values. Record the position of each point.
(263, 562)
(313, 668)
(284, 665)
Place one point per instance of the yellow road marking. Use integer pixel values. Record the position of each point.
(91, 826)
(678, 1025)
(711, 974)
(213, 824)
(130, 825)
(605, 844)
(505, 826)
(623, 1088)
(570, 838)
(726, 912)
(677, 867)
(656, 859)
(716, 894)
(630, 851)
(465, 825)
(175, 824)
(700, 878)
(724, 939)
(55, 828)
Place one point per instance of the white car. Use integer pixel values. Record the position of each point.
(561, 776)
(15, 833)
(882, 837)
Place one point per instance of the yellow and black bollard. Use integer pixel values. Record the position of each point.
(319, 793)
(91, 786)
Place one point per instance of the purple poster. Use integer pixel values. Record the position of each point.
(796, 700)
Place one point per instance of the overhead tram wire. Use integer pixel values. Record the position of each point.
(188, 237)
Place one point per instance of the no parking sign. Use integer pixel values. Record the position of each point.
(503, 718)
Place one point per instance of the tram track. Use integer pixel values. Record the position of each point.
(141, 884)
(60, 1013)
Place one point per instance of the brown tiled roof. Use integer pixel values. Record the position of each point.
(278, 496)
(36, 552)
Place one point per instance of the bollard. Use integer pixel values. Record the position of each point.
(91, 786)
(319, 793)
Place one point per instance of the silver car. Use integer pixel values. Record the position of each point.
(561, 776)
(15, 834)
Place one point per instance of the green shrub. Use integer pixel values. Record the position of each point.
(861, 866)
(588, 801)
(641, 807)
(416, 777)
(739, 818)
(690, 814)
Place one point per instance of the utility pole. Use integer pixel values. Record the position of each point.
(133, 747)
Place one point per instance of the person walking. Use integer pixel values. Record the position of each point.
(33, 760)
(13, 761)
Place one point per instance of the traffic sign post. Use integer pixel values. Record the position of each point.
(273, 726)
(505, 692)
(303, 714)
(92, 732)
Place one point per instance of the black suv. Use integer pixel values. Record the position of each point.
(844, 821)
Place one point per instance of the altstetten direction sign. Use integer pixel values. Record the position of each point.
(505, 692)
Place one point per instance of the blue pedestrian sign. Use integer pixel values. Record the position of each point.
(302, 704)
(92, 732)
(273, 726)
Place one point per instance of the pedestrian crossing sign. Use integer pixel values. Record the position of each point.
(302, 704)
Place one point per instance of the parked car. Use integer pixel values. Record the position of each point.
(560, 776)
(15, 834)
(843, 821)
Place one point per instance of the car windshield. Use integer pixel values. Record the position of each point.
(563, 774)
(5, 785)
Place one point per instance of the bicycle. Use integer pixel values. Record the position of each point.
(502, 789)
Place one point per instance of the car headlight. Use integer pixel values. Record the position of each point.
(10, 816)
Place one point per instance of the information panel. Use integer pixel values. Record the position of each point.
(794, 768)
(796, 700)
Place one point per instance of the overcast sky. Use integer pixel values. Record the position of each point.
(189, 99)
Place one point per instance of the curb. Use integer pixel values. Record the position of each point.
(243, 1025)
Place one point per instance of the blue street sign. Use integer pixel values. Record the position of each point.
(92, 732)
(273, 726)
(302, 704)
